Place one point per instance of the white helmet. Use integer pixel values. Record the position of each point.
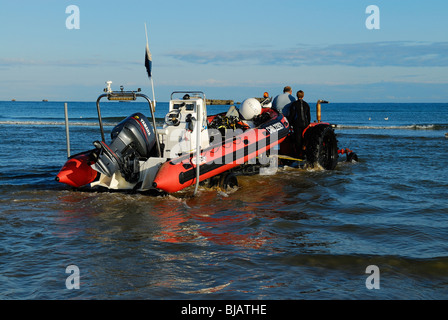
(250, 108)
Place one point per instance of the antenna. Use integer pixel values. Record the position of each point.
(146, 32)
(148, 68)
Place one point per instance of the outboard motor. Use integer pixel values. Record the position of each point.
(132, 141)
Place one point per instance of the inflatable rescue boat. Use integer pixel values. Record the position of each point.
(191, 147)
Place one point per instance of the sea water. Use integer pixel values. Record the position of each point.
(298, 234)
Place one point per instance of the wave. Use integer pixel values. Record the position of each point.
(396, 127)
(50, 123)
(87, 123)
(431, 266)
(113, 121)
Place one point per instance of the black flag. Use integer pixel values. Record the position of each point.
(148, 61)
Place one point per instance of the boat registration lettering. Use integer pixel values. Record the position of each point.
(274, 127)
(202, 160)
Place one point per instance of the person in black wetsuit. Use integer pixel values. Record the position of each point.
(299, 118)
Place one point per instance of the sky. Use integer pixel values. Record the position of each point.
(227, 49)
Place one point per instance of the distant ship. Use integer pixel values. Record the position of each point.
(44, 100)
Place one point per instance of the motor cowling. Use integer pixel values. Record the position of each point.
(132, 141)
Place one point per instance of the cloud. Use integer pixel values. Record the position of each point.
(81, 63)
(373, 54)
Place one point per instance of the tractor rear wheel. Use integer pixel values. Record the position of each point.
(322, 147)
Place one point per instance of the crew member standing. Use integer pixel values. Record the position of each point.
(299, 118)
(282, 101)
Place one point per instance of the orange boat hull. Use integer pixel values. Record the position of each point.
(179, 173)
(77, 171)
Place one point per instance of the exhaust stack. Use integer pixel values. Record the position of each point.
(318, 109)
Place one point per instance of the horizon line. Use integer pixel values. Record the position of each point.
(339, 102)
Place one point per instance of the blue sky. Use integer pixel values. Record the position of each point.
(228, 49)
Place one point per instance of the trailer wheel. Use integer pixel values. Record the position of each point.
(228, 181)
(322, 147)
(352, 157)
